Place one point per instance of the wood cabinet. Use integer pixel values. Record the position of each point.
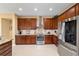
(33, 23)
(20, 39)
(26, 23)
(62, 17)
(25, 39)
(55, 40)
(77, 9)
(50, 23)
(67, 14)
(51, 39)
(21, 24)
(33, 39)
(55, 23)
(48, 39)
(30, 39)
(6, 49)
(72, 11)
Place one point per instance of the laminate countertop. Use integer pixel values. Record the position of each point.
(4, 41)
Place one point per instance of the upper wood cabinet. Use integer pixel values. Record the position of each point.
(73, 11)
(26, 23)
(50, 23)
(55, 23)
(21, 23)
(77, 9)
(62, 17)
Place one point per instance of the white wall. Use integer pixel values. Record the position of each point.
(13, 17)
(6, 30)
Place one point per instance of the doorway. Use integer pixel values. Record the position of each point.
(6, 29)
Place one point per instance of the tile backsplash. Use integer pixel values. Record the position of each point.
(36, 32)
(51, 32)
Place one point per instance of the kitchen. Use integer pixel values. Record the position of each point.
(27, 28)
(40, 30)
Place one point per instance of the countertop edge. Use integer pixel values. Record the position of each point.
(4, 41)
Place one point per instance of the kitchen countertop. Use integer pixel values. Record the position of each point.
(4, 41)
(35, 34)
(25, 34)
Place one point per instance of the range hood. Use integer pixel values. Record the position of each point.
(40, 22)
(40, 29)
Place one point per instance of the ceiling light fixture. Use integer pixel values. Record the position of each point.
(50, 9)
(35, 9)
(20, 9)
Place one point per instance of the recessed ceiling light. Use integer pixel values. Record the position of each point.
(50, 9)
(20, 9)
(35, 9)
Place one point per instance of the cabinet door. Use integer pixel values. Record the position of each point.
(33, 23)
(48, 23)
(23, 40)
(77, 9)
(51, 39)
(17, 40)
(48, 39)
(26, 23)
(30, 23)
(62, 17)
(71, 12)
(55, 39)
(20, 39)
(55, 23)
(21, 24)
(28, 40)
(33, 39)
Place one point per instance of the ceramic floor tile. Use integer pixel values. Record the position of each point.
(34, 50)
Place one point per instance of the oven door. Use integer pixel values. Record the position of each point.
(40, 40)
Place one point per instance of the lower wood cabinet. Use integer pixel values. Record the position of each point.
(48, 39)
(31, 39)
(51, 39)
(6, 49)
(25, 39)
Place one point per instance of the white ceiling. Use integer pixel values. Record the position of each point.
(28, 8)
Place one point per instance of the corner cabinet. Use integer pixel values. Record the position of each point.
(51, 39)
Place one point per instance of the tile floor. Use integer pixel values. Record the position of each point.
(34, 50)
